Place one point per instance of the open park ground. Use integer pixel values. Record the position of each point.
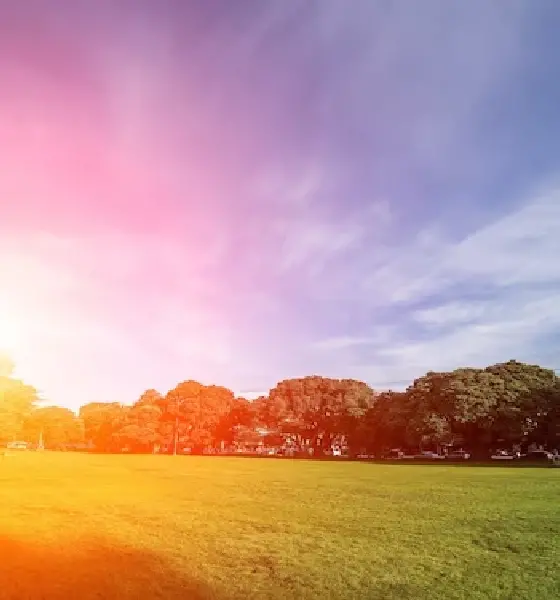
(133, 527)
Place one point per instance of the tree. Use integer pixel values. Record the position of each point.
(456, 406)
(151, 397)
(508, 403)
(315, 410)
(358, 399)
(523, 406)
(385, 425)
(141, 429)
(196, 411)
(58, 427)
(17, 401)
(237, 422)
(547, 427)
(502, 404)
(102, 423)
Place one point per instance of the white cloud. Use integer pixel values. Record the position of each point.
(513, 331)
(454, 313)
(317, 242)
(491, 296)
(337, 343)
(521, 248)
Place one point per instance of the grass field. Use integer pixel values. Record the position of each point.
(133, 527)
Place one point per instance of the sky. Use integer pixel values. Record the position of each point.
(242, 192)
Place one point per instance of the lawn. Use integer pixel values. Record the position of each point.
(133, 527)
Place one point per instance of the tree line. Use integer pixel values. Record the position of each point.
(477, 409)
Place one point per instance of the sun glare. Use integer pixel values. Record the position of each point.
(10, 334)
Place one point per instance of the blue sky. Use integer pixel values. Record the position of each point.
(240, 192)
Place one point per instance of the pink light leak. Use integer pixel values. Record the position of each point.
(107, 266)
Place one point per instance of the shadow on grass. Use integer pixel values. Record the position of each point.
(417, 462)
(513, 464)
(330, 459)
(30, 571)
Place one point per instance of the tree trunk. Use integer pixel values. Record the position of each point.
(175, 436)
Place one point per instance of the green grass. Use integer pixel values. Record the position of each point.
(133, 527)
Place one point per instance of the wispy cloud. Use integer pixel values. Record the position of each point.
(517, 249)
(490, 296)
(453, 313)
(338, 343)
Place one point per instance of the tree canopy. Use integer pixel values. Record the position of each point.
(17, 401)
(480, 409)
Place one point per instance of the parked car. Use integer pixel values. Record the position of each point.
(394, 455)
(536, 456)
(429, 456)
(458, 456)
(17, 445)
(505, 455)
